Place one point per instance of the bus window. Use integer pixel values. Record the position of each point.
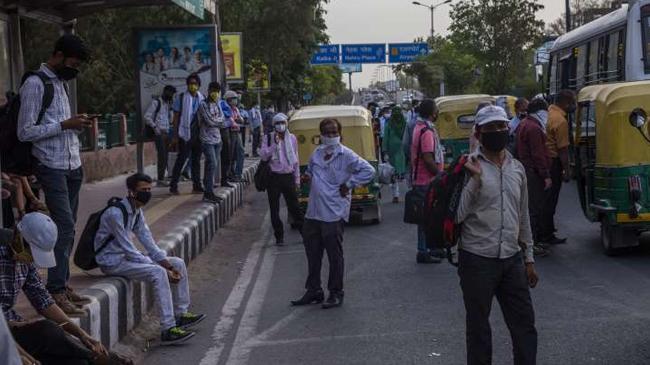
(645, 36)
(611, 64)
(592, 69)
(581, 64)
(553, 86)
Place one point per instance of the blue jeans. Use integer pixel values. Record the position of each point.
(212, 153)
(61, 189)
(238, 153)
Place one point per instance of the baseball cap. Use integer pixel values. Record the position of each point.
(280, 117)
(489, 114)
(40, 232)
(230, 95)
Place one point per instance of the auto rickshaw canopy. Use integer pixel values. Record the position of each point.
(617, 142)
(356, 123)
(456, 114)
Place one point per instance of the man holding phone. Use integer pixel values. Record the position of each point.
(54, 135)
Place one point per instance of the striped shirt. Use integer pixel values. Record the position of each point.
(52, 146)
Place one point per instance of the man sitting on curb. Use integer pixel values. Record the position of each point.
(48, 341)
(119, 256)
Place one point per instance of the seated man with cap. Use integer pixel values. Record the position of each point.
(50, 341)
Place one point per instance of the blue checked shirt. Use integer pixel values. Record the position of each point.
(121, 247)
(16, 277)
(52, 146)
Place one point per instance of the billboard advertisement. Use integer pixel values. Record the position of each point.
(232, 56)
(258, 76)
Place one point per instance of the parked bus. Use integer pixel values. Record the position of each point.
(612, 48)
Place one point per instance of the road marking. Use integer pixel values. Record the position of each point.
(259, 343)
(236, 297)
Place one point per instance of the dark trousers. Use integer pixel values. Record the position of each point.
(162, 153)
(536, 199)
(187, 149)
(257, 138)
(328, 236)
(61, 188)
(283, 184)
(552, 197)
(481, 279)
(48, 343)
(226, 156)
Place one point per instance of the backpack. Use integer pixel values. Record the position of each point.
(262, 176)
(84, 255)
(149, 132)
(17, 155)
(414, 199)
(441, 205)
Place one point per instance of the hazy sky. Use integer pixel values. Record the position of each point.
(386, 21)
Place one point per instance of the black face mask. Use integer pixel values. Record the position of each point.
(521, 116)
(143, 196)
(571, 109)
(67, 73)
(495, 141)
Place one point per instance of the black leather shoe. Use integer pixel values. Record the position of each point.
(226, 184)
(425, 258)
(333, 301)
(554, 240)
(310, 297)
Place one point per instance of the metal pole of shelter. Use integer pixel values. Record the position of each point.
(567, 4)
(433, 29)
(350, 81)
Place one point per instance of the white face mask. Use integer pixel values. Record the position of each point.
(280, 128)
(330, 141)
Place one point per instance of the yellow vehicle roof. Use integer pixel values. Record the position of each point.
(617, 142)
(452, 107)
(356, 122)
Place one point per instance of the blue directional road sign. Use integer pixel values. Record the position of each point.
(363, 53)
(348, 68)
(326, 54)
(406, 52)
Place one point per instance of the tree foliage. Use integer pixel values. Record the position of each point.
(496, 33)
(582, 12)
(324, 83)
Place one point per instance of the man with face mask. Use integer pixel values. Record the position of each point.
(212, 121)
(54, 135)
(333, 171)
(233, 118)
(534, 155)
(158, 117)
(495, 253)
(119, 256)
(47, 340)
(557, 131)
(280, 149)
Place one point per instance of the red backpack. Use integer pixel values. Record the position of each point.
(441, 206)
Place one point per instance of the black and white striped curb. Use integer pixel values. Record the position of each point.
(118, 304)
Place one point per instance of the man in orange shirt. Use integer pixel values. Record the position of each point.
(557, 132)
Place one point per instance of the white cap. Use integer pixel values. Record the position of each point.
(489, 114)
(40, 232)
(230, 95)
(280, 117)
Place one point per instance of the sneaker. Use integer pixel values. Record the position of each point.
(189, 319)
(227, 184)
(539, 251)
(554, 240)
(76, 298)
(198, 190)
(425, 258)
(162, 184)
(174, 191)
(175, 335)
(66, 305)
(212, 199)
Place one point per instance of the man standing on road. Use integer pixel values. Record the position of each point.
(212, 120)
(557, 143)
(426, 162)
(118, 255)
(521, 109)
(54, 135)
(256, 128)
(158, 118)
(281, 150)
(333, 172)
(533, 154)
(186, 134)
(491, 262)
(233, 122)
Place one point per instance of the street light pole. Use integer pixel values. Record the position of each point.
(432, 9)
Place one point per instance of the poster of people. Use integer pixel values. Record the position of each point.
(258, 76)
(232, 56)
(166, 56)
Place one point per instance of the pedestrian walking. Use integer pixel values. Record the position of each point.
(496, 250)
(392, 148)
(158, 118)
(427, 161)
(186, 134)
(54, 135)
(211, 120)
(333, 171)
(116, 254)
(557, 142)
(280, 148)
(256, 128)
(533, 154)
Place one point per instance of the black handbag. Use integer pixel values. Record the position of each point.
(263, 173)
(414, 199)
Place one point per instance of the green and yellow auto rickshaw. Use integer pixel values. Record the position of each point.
(357, 134)
(612, 159)
(456, 121)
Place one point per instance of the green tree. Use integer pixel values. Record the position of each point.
(497, 33)
(324, 83)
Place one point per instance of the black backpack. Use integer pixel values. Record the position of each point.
(84, 256)
(17, 155)
(441, 205)
(263, 174)
(149, 133)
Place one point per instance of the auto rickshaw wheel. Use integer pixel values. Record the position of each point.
(615, 237)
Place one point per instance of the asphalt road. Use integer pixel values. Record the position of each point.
(590, 308)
